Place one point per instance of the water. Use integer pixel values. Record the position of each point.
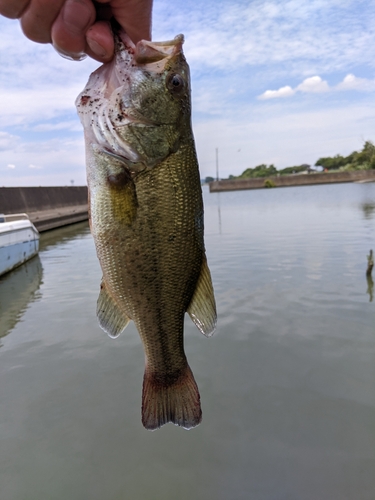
(287, 383)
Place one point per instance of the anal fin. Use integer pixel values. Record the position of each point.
(202, 308)
(111, 319)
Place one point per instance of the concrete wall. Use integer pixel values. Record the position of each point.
(293, 180)
(36, 199)
(47, 207)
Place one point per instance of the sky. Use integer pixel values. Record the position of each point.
(277, 82)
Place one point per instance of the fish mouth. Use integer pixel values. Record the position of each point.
(145, 52)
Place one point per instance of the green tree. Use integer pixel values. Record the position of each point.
(331, 163)
(355, 161)
(367, 155)
(293, 170)
(259, 171)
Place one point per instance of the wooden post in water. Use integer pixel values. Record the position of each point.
(370, 283)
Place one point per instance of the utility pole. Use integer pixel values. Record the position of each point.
(217, 164)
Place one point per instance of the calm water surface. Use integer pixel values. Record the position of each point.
(287, 383)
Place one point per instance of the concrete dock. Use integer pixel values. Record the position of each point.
(293, 180)
(47, 207)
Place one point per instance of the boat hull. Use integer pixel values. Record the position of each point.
(19, 242)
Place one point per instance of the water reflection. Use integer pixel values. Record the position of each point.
(63, 234)
(17, 290)
(219, 211)
(368, 210)
(287, 382)
(370, 287)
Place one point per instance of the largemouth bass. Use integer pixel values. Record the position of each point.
(146, 216)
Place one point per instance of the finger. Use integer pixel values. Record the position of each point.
(13, 9)
(100, 44)
(68, 30)
(37, 19)
(103, 10)
(134, 16)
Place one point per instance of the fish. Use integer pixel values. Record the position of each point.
(146, 216)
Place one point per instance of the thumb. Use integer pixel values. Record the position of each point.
(134, 16)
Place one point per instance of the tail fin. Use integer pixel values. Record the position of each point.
(177, 402)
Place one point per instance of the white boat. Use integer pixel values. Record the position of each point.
(19, 241)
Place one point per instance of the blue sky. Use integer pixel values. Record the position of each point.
(282, 82)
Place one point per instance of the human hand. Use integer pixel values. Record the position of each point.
(80, 27)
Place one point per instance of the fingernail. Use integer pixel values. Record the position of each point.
(72, 56)
(96, 47)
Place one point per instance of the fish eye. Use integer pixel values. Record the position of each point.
(175, 82)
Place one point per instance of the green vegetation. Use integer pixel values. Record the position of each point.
(357, 160)
(268, 183)
(265, 171)
(259, 171)
(293, 170)
(209, 179)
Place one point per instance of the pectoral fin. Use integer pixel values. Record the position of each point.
(111, 319)
(202, 308)
(122, 196)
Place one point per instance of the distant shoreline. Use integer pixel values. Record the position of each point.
(293, 180)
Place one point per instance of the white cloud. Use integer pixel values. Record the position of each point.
(283, 135)
(236, 50)
(21, 107)
(352, 82)
(72, 125)
(282, 92)
(36, 84)
(309, 36)
(45, 163)
(11, 166)
(7, 141)
(313, 84)
(29, 65)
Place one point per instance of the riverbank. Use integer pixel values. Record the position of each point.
(47, 207)
(293, 180)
